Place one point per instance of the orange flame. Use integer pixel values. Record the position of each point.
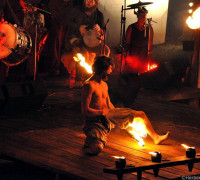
(153, 153)
(193, 21)
(119, 157)
(186, 147)
(80, 58)
(138, 131)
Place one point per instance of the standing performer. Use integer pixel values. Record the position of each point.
(86, 33)
(139, 40)
(100, 114)
(50, 58)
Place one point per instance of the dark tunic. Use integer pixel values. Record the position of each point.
(139, 43)
(137, 48)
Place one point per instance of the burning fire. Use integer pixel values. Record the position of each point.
(138, 131)
(79, 58)
(185, 146)
(119, 157)
(193, 21)
(153, 153)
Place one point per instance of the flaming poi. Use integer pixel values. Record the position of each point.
(138, 131)
(81, 59)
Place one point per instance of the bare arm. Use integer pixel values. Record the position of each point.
(87, 92)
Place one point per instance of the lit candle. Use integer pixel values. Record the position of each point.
(190, 151)
(155, 156)
(120, 162)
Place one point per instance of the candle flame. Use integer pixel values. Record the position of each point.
(185, 146)
(193, 21)
(119, 157)
(153, 153)
(81, 59)
(138, 131)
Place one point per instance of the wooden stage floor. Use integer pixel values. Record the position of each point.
(52, 137)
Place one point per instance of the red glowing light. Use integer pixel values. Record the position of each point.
(134, 64)
(151, 66)
(41, 44)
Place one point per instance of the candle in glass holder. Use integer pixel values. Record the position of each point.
(156, 156)
(190, 151)
(120, 162)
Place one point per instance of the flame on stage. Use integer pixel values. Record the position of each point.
(193, 21)
(153, 153)
(186, 147)
(138, 131)
(119, 157)
(81, 59)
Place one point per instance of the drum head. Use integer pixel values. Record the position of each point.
(91, 39)
(7, 39)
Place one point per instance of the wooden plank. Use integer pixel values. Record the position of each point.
(75, 150)
(95, 157)
(59, 135)
(54, 159)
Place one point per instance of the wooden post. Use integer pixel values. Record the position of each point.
(190, 166)
(139, 175)
(120, 176)
(156, 171)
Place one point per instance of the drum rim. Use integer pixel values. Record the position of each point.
(16, 34)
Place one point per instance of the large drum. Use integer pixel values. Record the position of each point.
(15, 44)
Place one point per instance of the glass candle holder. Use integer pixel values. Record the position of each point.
(120, 162)
(191, 152)
(156, 156)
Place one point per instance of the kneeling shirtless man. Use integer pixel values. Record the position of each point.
(99, 113)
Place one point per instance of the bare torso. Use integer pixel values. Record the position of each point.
(99, 96)
(95, 98)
